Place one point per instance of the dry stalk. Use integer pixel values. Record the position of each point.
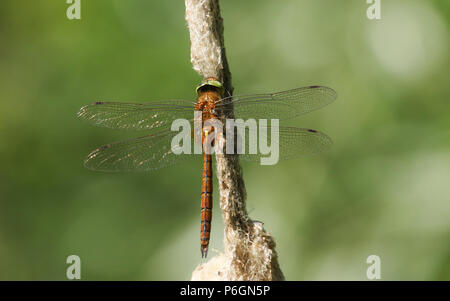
(249, 250)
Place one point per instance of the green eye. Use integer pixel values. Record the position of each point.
(211, 82)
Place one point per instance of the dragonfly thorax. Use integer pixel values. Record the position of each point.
(206, 103)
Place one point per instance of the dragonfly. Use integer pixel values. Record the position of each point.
(153, 150)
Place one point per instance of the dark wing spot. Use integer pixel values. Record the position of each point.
(312, 131)
(99, 102)
(314, 87)
(104, 147)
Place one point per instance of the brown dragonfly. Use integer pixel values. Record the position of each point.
(154, 151)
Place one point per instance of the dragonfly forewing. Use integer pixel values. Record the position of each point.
(279, 105)
(136, 116)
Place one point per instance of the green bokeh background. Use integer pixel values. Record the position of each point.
(383, 189)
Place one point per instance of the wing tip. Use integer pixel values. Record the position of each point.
(84, 108)
(330, 91)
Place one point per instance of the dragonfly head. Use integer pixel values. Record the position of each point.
(210, 83)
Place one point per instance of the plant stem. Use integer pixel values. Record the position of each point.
(249, 250)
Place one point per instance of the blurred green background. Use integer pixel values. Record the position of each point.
(383, 189)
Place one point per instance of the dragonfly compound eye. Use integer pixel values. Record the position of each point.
(208, 83)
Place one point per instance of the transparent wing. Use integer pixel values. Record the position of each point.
(280, 105)
(136, 116)
(292, 143)
(149, 152)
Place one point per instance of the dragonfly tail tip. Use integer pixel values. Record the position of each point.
(204, 251)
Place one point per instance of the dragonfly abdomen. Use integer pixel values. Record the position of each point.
(206, 207)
